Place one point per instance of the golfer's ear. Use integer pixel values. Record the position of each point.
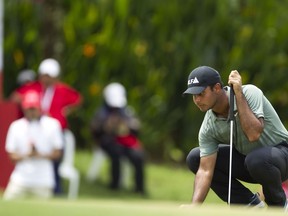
(217, 87)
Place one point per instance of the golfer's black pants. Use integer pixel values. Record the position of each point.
(267, 166)
(135, 156)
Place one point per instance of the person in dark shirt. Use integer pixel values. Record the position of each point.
(115, 129)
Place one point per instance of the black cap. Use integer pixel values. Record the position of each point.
(200, 78)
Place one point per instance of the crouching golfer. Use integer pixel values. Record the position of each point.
(260, 149)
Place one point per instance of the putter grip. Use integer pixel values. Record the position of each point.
(231, 106)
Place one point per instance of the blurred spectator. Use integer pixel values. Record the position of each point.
(25, 76)
(32, 143)
(285, 187)
(115, 130)
(58, 99)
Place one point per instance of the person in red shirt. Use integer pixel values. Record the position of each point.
(58, 99)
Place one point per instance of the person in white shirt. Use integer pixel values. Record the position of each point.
(33, 142)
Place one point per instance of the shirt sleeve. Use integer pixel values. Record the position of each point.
(71, 96)
(57, 138)
(10, 145)
(254, 97)
(207, 143)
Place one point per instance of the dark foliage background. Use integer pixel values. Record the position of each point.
(151, 47)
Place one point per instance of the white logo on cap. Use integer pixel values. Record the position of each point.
(193, 81)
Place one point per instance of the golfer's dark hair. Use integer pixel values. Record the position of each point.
(212, 85)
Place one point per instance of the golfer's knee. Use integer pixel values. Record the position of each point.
(254, 165)
(193, 159)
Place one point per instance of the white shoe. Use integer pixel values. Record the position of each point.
(286, 206)
(256, 202)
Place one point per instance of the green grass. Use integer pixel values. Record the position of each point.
(112, 207)
(164, 182)
(168, 187)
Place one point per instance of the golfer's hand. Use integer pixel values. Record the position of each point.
(235, 80)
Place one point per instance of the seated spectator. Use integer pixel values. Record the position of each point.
(115, 130)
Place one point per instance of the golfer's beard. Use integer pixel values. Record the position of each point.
(205, 107)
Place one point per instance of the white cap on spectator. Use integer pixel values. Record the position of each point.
(115, 95)
(49, 67)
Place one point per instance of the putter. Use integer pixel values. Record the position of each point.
(231, 119)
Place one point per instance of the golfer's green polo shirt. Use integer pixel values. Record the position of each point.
(215, 131)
